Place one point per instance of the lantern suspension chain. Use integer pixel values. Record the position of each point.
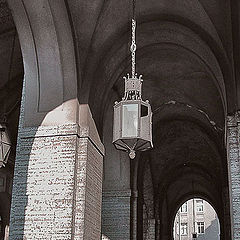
(133, 47)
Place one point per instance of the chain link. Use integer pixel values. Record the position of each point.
(133, 47)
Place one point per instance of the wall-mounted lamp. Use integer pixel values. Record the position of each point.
(5, 145)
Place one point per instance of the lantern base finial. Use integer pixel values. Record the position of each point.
(132, 154)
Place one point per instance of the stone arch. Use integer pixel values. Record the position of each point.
(166, 218)
(205, 198)
(49, 59)
(50, 112)
(202, 186)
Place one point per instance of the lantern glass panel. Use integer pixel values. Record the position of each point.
(130, 120)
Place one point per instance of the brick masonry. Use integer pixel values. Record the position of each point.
(233, 141)
(57, 189)
(116, 215)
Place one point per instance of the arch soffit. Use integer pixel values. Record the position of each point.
(209, 194)
(205, 184)
(210, 137)
(211, 197)
(199, 170)
(202, 172)
(173, 110)
(180, 171)
(48, 54)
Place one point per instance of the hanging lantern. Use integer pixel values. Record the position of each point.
(5, 145)
(132, 127)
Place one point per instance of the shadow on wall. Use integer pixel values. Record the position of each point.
(19, 191)
(212, 232)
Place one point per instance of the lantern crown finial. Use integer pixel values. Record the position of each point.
(133, 87)
(133, 84)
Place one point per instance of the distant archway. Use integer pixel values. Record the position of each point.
(196, 219)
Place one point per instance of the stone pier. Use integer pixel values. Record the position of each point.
(57, 189)
(233, 146)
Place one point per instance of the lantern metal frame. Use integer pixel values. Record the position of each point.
(142, 140)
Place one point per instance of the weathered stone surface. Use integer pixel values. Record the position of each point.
(233, 128)
(88, 192)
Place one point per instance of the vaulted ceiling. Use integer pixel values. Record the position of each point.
(188, 53)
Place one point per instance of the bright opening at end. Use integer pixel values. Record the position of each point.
(196, 219)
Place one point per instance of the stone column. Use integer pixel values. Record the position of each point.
(116, 214)
(150, 231)
(134, 214)
(116, 205)
(57, 187)
(58, 169)
(157, 229)
(233, 149)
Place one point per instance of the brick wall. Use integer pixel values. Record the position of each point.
(43, 187)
